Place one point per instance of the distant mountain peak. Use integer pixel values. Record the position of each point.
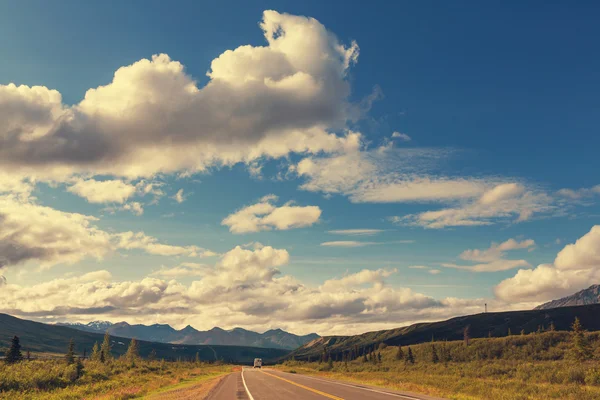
(584, 297)
(164, 333)
(188, 329)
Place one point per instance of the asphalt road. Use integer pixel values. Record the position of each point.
(266, 384)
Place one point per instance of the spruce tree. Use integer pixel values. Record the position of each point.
(467, 335)
(14, 352)
(365, 359)
(509, 332)
(105, 354)
(434, 354)
(70, 356)
(552, 327)
(379, 357)
(330, 362)
(95, 356)
(410, 359)
(79, 367)
(152, 355)
(132, 354)
(580, 348)
(197, 357)
(399, 354)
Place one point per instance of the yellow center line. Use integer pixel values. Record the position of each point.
(305, 387)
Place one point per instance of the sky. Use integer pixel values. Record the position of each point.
(330, 167)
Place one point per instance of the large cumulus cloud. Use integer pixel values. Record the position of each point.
(575, 267)
(263, 101)
(245, 287)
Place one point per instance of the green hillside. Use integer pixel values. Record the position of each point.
(42, 338)
(495, 324)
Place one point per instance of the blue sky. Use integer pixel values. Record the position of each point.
(439, 127)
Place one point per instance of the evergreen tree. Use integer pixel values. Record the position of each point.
(330, 363)
(79, 367)
(308, 358)
(132, 354)
(552, 327)
(13, 354)
(509, 332)
(70, 356)
(379, 357)
(467, 335)
(580, 348)
(445, 353)
(152, 355)
(434, 354)
(399, 354)
(197, 357)
(95, 352)
(365, 359)
(410, 359)
(522, 332)
(105, 354)
(28, 355)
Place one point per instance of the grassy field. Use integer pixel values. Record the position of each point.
(54, 379)
(536, 366)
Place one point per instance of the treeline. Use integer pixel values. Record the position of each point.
(79, 373)
(543, 344)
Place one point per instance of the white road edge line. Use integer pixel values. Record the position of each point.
(363, 388)
(246, 386)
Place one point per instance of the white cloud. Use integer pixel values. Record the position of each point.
(356, 243)
(434, 271)
(29, 232)
(576, 267)
(109, 191)
(135, 207)
(151, 245)
(502, 202)
(579, 193)
(496, 251)
(260, 101)
(33, 232)
(401, 136)
(418, 267)
(492, 259)
(356, 232)
(266, 216)
(245, 287)
(15, 184)
(179, 197)
(384, 175)
(182, 270)
(347, 243)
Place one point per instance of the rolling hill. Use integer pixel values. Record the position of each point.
(587, 296)
(275, 338)
(38, 337)
(480, 325)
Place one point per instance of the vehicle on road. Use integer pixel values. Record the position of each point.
(258, 363)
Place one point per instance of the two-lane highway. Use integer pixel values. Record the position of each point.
(267, 384)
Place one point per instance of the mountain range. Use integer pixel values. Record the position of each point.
(274, 338)
(496, 324)
(43, 338)
(587, 296)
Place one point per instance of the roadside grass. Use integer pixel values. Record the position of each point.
(516, 368)
(196, 387)
(118, 379)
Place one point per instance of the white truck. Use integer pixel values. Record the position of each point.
(258, 363)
